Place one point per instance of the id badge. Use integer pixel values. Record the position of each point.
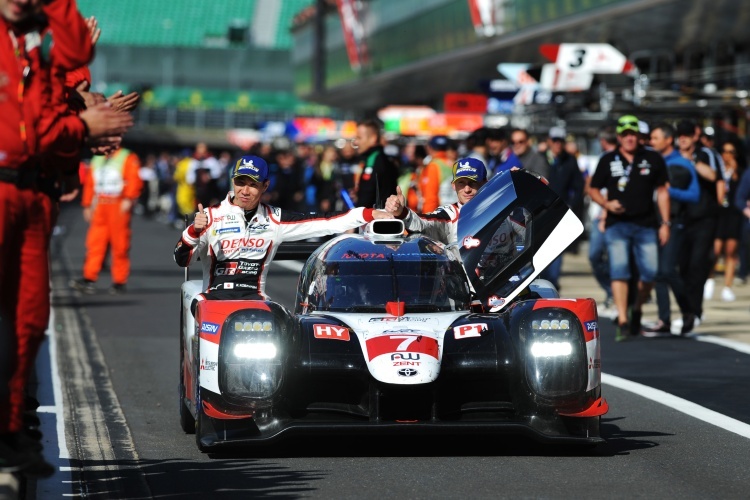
(622, 183)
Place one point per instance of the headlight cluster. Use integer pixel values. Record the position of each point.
(554, 351)
(251, 354)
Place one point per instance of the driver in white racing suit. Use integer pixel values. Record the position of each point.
(469, 174)
(238, 238)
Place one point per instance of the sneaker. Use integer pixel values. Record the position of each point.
(83, 285)
(117, 289)
(659, 327)
(708, 289)
(607, 309)
(622, 332)
(727, 295)
(688, 323)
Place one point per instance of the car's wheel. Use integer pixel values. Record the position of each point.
(187, 422)
(200, 425)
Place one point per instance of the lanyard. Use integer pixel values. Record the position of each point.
(622, 182)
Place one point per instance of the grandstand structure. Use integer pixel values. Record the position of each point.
(239, 64)
(692, 55)
(199, 65)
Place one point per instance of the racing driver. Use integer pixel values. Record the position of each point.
(237, 238)
(469, 174)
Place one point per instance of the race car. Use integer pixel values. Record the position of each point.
(396, 333)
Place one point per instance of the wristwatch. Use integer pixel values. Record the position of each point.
(667, 223)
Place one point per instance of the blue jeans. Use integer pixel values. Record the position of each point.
(598, 257)
(622, 237)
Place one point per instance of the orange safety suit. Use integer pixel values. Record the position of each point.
(111, 188)
(435, 183)
(32, 122)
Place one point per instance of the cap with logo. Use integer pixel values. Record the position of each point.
(627, 123)
(254, 167)
(470, 168)
(439, 143)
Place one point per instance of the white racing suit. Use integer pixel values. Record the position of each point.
(235, 253)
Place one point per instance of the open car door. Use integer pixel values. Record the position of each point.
(513, 228)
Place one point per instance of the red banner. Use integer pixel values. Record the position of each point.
(465, 103)
(354, 33)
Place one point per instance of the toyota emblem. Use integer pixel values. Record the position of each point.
(407, 372)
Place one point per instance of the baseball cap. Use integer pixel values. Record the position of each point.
(254, 167)
(685, 128)
(439, 143)
(627, 122)
(470, 168)
(556, 133)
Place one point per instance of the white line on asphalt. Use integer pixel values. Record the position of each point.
(57, 409)
(679, 404)
(732, 344)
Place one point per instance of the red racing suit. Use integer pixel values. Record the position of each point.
(236, 252)
(32, 121)
(111, 188)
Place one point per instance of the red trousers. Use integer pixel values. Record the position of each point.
(25, 227)
(109, 228)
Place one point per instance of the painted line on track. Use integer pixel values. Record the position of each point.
(679, 404)
(732, 344)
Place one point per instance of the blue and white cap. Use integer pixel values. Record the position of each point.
(470, 168)
(254, 167)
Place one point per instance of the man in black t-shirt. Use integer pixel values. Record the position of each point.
(631, 174)
(378, 176)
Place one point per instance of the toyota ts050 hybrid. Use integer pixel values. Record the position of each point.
(395, 333)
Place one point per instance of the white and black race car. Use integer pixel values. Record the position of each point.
(396, 333)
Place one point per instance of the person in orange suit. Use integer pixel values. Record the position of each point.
(435, 188)
(110, 190)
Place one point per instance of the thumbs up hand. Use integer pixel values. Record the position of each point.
(201, 219)
(396, 202)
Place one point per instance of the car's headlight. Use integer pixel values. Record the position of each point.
(555, 353)
(250, 353)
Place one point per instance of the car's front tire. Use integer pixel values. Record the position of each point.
(187, 422)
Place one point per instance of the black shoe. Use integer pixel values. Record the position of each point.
(688, 323)
(117, 289)
(16, 456)
(659, 327)
(635, 322)
(84, 286)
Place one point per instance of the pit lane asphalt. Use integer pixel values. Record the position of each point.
(711, 375)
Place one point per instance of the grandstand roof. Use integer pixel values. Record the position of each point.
(192, 23)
